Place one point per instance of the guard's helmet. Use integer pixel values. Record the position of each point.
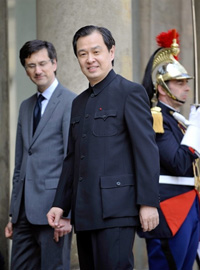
(163, 65)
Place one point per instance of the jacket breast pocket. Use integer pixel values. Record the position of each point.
(75, 121)
(105, 123)
(118, 196)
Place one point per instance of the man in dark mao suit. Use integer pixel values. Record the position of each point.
(38, 163)
(109, 179)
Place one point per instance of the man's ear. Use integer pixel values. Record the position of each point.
(54, 62)
(112, 51)
(161, 91)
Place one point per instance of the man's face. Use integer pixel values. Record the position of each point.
(180, 89)
(94, 58)
(40, 69)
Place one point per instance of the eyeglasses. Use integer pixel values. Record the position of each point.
(41, 64)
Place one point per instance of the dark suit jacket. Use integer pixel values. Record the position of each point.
(112, 166)
(175, 160)
(38, 158)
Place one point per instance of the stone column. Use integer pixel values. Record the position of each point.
(4, 129)
(197, 15)
(57, 21)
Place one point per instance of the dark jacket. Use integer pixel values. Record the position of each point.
(112, 166)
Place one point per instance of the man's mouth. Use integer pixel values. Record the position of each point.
(39, 77)
(92, 68)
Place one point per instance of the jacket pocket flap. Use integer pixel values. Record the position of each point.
(117, 181)
(75, 120)
(105, 114)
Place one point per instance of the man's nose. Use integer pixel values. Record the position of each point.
(187, 87)
(90, 58)
(38, 69)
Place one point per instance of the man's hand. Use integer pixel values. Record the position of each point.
(65, 228)
(149, 217)
(54, 215)
(9, 230)
(194, 117)
(192, 134)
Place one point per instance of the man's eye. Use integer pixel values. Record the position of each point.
(43, 63)
(180, 82)
(31, 66)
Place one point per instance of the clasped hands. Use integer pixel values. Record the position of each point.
(61, 225)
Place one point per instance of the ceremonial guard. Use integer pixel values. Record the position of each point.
(173, 244)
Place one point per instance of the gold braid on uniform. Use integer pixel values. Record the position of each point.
(196, 169)
(157, 119)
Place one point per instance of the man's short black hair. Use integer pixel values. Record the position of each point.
(88, 30)
(34, 46)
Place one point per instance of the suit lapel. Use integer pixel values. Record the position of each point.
(52, 104)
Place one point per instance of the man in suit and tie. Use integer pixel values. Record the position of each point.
(110, 175)
(41, 144)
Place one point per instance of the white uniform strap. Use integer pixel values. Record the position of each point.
(176, 180)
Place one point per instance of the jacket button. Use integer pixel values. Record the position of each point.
(82, 157)
(29, 152)
(80, 179)
(84, 135)
(118, 183)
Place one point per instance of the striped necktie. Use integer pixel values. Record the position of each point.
(37, 112)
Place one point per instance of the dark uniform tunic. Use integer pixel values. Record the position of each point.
(179, 213)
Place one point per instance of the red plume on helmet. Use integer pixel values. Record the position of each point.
(165, 39)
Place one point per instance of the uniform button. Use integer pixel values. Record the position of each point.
(118, 183)
(92, 95)
(87, 115)
(82, 157)
(80, 179)
(29, 152)
(84, 135)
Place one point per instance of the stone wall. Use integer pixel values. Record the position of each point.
(4, 131)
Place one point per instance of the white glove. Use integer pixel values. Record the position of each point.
(181, 118)
(194, 117)
(192, 135)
